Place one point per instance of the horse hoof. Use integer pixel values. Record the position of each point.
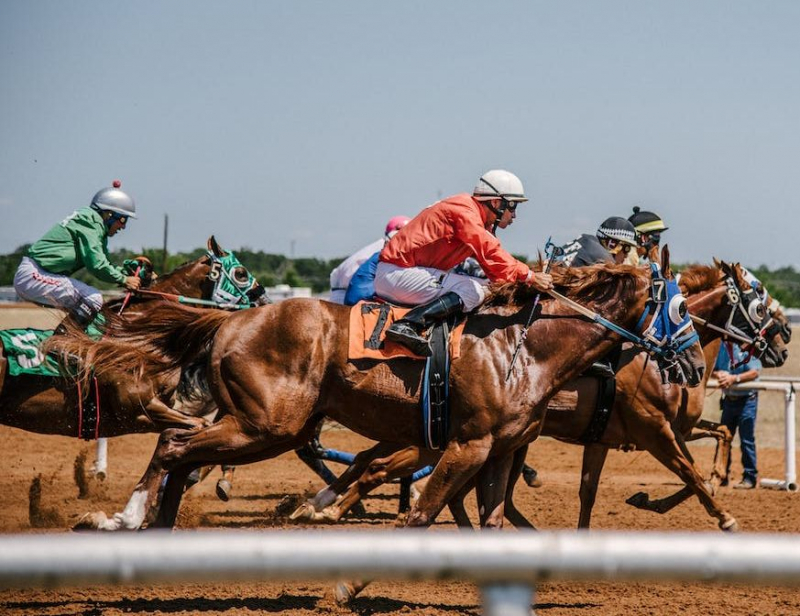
(90, 521)
(224, 488)
(100, 475)
(303, 512)
(639, 500)
(730, 526)
(343, 592)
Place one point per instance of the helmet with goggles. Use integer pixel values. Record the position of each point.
(648, 225)
(499, 183)
(114, 200)
(618, 229)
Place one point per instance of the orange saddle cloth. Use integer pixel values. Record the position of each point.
(368, 324)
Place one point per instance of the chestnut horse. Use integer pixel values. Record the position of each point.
(48, 405)
(645, 414)
(276, 371)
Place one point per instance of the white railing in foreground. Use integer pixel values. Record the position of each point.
(786, 385)
(506, 565)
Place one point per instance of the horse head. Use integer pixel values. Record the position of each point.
(674, 342)
(217, 275)
(649, 310)
(728, 301)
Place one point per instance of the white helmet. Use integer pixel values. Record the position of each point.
(114, 200)
(499, 183)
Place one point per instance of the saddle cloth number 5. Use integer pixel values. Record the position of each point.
(31, 356)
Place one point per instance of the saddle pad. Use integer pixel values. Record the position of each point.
(21, 348)
(368, 324)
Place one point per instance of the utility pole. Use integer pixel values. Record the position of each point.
(164, 258)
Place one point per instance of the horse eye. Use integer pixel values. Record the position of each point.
(240, 275)
(757, 310)
(678, 310)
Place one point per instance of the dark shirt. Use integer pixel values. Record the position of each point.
(585, 250)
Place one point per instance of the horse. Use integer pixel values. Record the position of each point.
(645, 415)
(49, 405)
(275, 371)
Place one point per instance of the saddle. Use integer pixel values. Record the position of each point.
(368, 324)
(605, 372)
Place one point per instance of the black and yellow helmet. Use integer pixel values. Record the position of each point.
(646, 222)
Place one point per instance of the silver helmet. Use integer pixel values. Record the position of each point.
(115, 200)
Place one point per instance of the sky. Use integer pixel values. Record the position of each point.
(300, 128)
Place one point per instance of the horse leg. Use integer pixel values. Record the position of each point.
(710, 429)
(666, 448)
(225, 484)
(312, 509)
(379, 471)
(458, 464)
(100, 466)
(457, 509)
(492, 490)
(513, 514)
(662, 505)
(594, 458)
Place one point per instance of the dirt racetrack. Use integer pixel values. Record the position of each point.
(262, 490)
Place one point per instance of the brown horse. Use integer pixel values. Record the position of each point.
(48, 405)
(645, 415)
(276, 371)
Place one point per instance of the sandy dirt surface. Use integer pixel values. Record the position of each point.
(260, 488)
(44, 467)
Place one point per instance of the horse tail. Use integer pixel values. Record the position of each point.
(162, 338)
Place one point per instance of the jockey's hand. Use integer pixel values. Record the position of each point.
(132, 283)
(542, 281)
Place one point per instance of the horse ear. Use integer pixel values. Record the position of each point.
(653, 256)
(665, 265)
(214, 247)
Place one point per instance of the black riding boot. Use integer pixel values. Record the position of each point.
(409, 331)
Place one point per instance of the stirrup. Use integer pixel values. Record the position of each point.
(405, 335)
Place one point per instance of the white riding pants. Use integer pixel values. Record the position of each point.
(419, 285)
(34, 284)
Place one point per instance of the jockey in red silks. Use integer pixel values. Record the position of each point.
(414, 266)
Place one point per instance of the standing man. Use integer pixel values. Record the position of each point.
(415, 265)
(80, 240)
(739, 406)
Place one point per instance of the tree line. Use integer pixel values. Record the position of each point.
(272, 269)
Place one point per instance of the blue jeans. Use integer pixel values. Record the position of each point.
(740, 413)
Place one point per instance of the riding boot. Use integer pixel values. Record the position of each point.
(410, 330)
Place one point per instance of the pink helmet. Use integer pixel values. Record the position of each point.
(395, 224)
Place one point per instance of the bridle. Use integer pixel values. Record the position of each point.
(663, 337)
(749, 322)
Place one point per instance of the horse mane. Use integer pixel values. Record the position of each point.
(593, 283)
(697, 278)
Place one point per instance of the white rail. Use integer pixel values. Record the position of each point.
(505, 565)
(786, 385)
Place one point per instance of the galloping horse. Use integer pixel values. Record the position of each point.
(276, 371)
(645, 414)
(49, 405)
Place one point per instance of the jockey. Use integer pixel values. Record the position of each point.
(80, 240)
(613, 241)
(648, 233)
(343, 273)
(414, 266)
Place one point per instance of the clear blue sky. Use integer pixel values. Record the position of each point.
(274, 124)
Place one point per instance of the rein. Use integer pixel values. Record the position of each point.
(182, 299)
(668, 348)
